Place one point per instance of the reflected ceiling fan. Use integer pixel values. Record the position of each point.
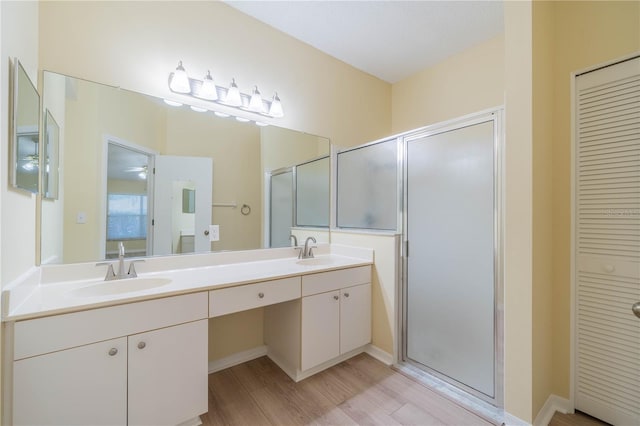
(141, 170)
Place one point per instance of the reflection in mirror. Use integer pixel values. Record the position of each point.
(25, 131)
(184, 221)
(239, 156)
(50, 157)
(188, 199)
(127, 200)
(281, 207)
(312, 193)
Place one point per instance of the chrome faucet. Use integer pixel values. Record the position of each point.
(112, 275)
(295, 240)
(121, 273)
(307, 252)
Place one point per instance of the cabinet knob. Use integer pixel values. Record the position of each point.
(336, 297)
(346, 295)
(260, 295)
(609, 268)
(142, 345)
(113, 351)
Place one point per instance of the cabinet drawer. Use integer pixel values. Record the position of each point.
(49, 334)
(240, 298)
(334, 280)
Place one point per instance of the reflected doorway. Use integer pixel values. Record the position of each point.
(129, 199)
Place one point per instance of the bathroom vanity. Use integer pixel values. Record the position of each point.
(81, 350)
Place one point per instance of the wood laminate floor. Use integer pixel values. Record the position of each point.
(359, 391)
(576, 419)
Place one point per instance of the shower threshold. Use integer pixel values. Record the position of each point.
(470, 402)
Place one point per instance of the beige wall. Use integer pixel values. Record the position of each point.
(467, 82)
(107, 42)
(542, 299)
(518, 210)
(585, 34)
(19, 38)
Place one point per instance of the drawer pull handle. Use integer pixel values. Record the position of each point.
(346, 295)
(113, 351)
(260, 295)
(336, 297)
(142, 345)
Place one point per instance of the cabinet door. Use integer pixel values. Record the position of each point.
(78, 386)
(320, 329)
(168, 374)
(355, 317)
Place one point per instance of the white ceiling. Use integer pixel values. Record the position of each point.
(389, 39)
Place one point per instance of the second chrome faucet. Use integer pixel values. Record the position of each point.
(121, 274)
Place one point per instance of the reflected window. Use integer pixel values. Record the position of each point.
(126, 216)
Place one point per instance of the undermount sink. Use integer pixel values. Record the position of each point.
(315, 261)
(127, 285)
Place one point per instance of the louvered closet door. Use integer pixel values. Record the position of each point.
(607, 380)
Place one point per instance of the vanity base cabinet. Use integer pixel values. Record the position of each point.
(355, 317)
(329, 324)
(320, 329)
(334, 324)
(168, 374)
(139, 363)
(78, 386)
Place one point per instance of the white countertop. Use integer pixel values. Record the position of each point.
(34, 298)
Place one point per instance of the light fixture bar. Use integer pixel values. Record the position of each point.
(269, 108)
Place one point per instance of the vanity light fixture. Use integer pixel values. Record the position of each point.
(276, 107)
(255, 103)
(233, 97)
(206, 89)
(180, 81)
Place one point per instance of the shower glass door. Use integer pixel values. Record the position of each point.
(450, 228)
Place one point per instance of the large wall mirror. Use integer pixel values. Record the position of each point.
(25, 134)
(208, 171)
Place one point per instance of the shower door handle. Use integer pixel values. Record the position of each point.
(636, 309)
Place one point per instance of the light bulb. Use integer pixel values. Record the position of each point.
(255, 104)
(208, 90)
(233, 95)
(180, 80)
(276, 107)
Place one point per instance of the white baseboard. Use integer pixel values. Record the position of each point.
(237, 358)
(511, 420)
(552, 404)
(382, 356)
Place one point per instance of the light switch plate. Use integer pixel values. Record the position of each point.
(214, 232)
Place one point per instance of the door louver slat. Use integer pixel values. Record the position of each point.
(607, 233)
